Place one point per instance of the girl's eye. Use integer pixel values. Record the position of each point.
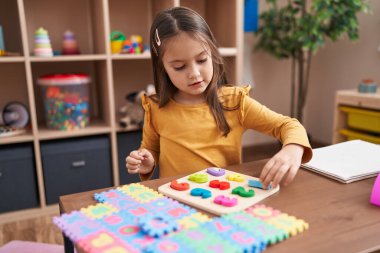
(202, 60)
(179, 68)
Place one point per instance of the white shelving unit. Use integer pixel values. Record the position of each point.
(113, 76)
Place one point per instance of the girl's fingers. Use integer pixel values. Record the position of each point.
(291, 174)
(266, 169)
(270, 175)
(280, 174)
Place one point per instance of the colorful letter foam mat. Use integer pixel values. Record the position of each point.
(217, 190)
(134, 218)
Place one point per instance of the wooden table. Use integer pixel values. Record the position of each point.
(340, 216)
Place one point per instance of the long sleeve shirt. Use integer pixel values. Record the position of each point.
(185, 138)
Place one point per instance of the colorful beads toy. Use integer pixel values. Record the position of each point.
(42, 46)
(66, 100)
(69, 44)
(217, 172)
(199, 178)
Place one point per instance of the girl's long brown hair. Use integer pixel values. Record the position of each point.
(170, 23)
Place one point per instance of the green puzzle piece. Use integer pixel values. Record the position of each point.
(242, 192)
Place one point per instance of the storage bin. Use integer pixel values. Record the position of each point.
(66, 101)
(356, 135)
(75, 165)
(18, 180)
(127, 142)
(363, 119)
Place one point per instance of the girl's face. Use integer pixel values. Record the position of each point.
(188, 64)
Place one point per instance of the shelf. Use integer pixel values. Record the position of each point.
(113, 76)
(12, 59)
(62, 58)
(93, 129)
(25, 137)
(144, 55)
(127, 129)
(224, 51)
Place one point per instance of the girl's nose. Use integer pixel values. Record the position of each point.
(194, 71)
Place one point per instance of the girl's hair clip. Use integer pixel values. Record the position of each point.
(158, 41)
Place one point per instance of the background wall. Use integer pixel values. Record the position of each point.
(339, 65)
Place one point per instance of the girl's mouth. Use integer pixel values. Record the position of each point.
(196, 83)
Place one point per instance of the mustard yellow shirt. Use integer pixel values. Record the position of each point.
(185, 138)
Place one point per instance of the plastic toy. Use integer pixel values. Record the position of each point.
(117, 40)
(15, 115)
(6, 53)
(66, 100)
(133, 45)
(375, 195)
(367, 86)
(132, 113)
(69, 44)
(164, 225)
(42, 46)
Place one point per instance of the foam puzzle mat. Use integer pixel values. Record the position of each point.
(134, 218)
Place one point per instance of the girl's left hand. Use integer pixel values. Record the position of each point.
(287, 160)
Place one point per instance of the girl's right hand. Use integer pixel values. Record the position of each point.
(139, 161)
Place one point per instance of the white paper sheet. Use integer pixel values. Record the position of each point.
(347, 161)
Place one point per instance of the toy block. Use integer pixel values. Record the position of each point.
(200, 192)
(99, 210)
(290, 224)
(257, 184)
(179, 186)
(225, 201)
(235, 177)
(242, 192)
(198, 178)
(217, 172)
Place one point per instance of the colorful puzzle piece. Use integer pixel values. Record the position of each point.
(235, 177)
(219, 185)
(198, 178)
(179, 186)
(257, 184)
(159, 224)
(217, 172)
(242, 192)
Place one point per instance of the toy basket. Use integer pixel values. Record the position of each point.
(66, 101)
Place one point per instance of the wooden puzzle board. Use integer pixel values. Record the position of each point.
(208, 204)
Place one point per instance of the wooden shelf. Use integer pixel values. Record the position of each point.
(93, 129)
(12, 59)
(61, 58)
(352, 98)
(113, 76)
(24, 137)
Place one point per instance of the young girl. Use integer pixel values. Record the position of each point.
(196, 120)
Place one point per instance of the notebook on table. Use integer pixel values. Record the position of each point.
(347, 161)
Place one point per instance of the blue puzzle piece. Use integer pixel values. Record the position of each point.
(157, 225)
(257, 184)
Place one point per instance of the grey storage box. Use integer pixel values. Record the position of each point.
(75, 165)
(127, 142)
(18, 180)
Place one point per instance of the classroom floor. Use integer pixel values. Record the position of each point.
(42, 229)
